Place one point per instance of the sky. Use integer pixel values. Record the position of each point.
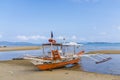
(74, 20)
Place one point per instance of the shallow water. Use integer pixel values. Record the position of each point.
(92, 47)
(110, 67)
(14, 54)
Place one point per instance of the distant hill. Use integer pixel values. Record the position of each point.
(98, 43)
(6, 43)
(103, 43)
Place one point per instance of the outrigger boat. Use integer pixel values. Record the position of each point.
(56, 58)
(56, 55)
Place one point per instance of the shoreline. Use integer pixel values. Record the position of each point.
(19, 48)
(22, 48)
(104, 52)
(24, 70)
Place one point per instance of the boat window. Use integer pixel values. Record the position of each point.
(68, 50)
(47, 49)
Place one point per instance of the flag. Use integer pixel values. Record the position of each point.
(51, 34)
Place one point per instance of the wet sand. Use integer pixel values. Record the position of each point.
(18, 48)
(105, 52)
(24, 70)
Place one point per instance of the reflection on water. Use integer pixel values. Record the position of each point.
(76, 67)
(110, 67)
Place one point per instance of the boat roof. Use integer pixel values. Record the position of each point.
(49, 44)
(63, 44)
(72, 44)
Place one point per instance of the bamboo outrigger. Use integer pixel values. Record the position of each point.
(61, 54)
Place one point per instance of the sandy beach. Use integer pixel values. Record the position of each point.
(105, 52)
(24, 70)
(18, 48)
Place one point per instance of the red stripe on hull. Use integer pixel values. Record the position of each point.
(56, 65)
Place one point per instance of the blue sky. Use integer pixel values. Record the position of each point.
(76, 20)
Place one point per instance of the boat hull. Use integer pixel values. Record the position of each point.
(56, 65)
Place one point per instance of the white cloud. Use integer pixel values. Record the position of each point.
(0, 35)
(74, 37)
(24, 38)
(83, 39)
(60, 37)
(103, 33)
(67, 38)
(35, 37)
(118, 27)
(95, 28)
(38, 37)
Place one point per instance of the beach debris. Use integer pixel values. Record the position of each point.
(66, 73)
(18, 59)
(11, 72)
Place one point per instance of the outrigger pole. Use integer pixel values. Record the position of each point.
(98, 58)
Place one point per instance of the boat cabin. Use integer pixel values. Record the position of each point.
(63, 49)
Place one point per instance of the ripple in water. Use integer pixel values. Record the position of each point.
(110, 67)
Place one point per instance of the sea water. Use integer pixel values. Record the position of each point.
(110, 67)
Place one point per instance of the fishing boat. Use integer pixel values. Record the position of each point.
(56, 55)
